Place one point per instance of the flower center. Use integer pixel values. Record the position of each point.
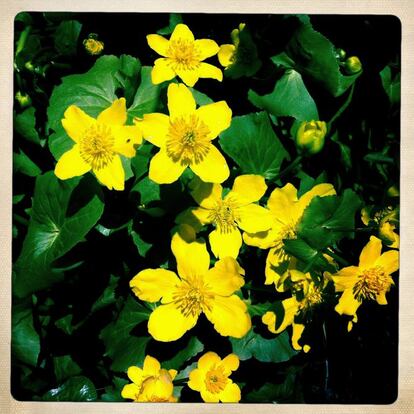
(183, 55)
(216, 379)
(192, 296)
(371, 283)
(224, 216)
(312, 297)
(286, 232)
(96, 146)
(187, 140)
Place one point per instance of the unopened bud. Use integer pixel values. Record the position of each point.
(23, 99)
(340, 54)
(353, 65)
(310, 136)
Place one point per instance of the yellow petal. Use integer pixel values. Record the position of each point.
(180, 100)
(277, 262)
(182, 32)
(297, 330)
(205, 194)
(346, 278)
(213, 168)
(153, 284)
(205, 70)
(321, 190)
(209, 397)
(151, 366)
(76, 121)
(370, 253)
(126, 138)
(112, 175)
(161, 71)
(173, 373)
(229, 316)
(154, 128)
(231, 393)
(283, 204)
(263, 239)
(389, 261)
(347, 304)
(217, 117)
(208, 360)
(254, 218)
(231, 362)
(192, 258)
(163, 170)
(269, 319)
(130, 391)
(226, 55)
(71, 164)
(167, 323)
(135, 374)
(196, 381)
(114, 115)
(225, 277)
(206, 48)
(225, 243)
(290, 307)
(381, 299)
(188, 76)
(158, 43)
(248, 188)
(157, 389)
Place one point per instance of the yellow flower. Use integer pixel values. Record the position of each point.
(183, 57)
(306, 295)
(92, 45)
(197, 290)
(151, 383)
(211, 378)
(184, 138)
(98, 144)
(286, 211)
(228, 213)
(227, 53)
(310, 136)
(370, 280)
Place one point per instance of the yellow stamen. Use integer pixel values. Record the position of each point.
(216, 379)
(183, 55)
(96, 146)
(224, 216)
(372, 282)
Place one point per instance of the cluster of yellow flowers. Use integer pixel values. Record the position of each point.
(184, 138)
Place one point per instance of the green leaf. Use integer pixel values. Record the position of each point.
(391, 84)
(25, 340)
(252, 345)
(23, 164)
(65, 324)
(328, 219)
(305, 253)
(25, 125)
(124, 349)
(18, 198)
(193, 348)
(252, 144)
(113, 393)
(201, 98)
(140, 162)
(315, 56)
(65, 368)
(259, 309)
(51, 233)
(108, 295)
(74, 389)
(149, 190)
(289, 98)
(66, 37)
(128, 76)
(378, 157)
(141, 245)
(175, 18)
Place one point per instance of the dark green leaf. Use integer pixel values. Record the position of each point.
(74, 389)
(140, 162)
(108, 295)
(113, 393)
(193, 348)
(24, 124)
(252, 144)
(252, 345)
(23, 164)
(305, 253)
(51, 233)
(65, 324)
(200, 98)
(258, 309)
(141, 245)
(175, 18)
(289, 98)
(378, 157)
(391, 84)
(66, 37)
(149, 190)
(65, 368)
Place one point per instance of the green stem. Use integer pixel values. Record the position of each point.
(343, 107)
(339, 259)
(290, 167)
(22, 39)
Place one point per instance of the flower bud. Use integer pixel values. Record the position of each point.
(353, 65)
(340, 54)
(393, 191)
(310, 136)
(92, 45)
(29, 66)
(23, 99)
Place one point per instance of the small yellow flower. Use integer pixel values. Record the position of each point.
(92, 45)
(228, 52)
(305, 296)
(98, 144)
(184, 138)
(183, 57)
(211, 378)
(310, 136)
(229, 213)
(286, 211)
(198, 290)
(370, 280)
(150, 383)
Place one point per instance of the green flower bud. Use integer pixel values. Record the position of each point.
(310, 136)
(340, 54)
(23, 99)
(29, 66)
(353, 65)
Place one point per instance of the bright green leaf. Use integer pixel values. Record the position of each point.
(391, 84)
(24, 165)
(74, 389)
(25, 125)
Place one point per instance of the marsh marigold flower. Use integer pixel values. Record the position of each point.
(92, 45)
(98, 144)
(286, 211)
(183, 57)
(228, 52)
(197, 290)
(306, 295)
(184, 138)
(150, 383)
(230, 212)
(370, 280)
(211, 378)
